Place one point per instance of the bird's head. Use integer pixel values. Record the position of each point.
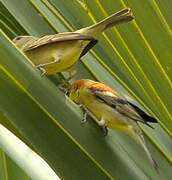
(21, 41)
(75, 89)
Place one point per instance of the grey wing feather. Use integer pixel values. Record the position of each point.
(122, 106)
(58, 38)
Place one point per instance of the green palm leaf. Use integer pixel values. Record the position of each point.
(135, 55)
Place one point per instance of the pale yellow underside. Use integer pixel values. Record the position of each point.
(67, 53)
(114, 119)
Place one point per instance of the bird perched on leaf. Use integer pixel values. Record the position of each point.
(60, 52)
(110, 110)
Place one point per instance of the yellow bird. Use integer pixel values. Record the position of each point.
(110, 110)
(60, 52)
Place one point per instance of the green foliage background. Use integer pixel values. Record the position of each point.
(133, 58)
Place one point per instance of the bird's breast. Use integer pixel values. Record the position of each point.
(103, 110)
(66, 53)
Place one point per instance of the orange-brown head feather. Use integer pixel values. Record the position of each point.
(78, 84)
(92, 85)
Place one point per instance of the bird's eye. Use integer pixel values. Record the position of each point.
(18, 38)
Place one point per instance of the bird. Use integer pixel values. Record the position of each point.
(60, 52)
(109, 109)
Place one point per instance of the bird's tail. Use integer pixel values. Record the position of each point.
(139, 138)
(120, 17)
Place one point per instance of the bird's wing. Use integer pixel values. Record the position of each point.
(122, 106)
(58, 38)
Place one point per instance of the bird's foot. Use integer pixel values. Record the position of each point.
(105, 131)
(85, 113)
(43, 71)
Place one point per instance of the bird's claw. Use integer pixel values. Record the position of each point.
(84, 120)
(63, 89)
(43, 71)
(105, 130)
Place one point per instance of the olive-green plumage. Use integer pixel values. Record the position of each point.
(60, 52)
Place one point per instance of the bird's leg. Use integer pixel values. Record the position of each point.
(105, 129)
(42, 70)
(102, 122)
(40, 66)
(64, 82)
(63, 89)
(84, 120)
(48, 63)
(72, 73)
